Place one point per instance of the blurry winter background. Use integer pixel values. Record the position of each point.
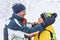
(34, 9)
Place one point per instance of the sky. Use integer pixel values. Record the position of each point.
(33, 10)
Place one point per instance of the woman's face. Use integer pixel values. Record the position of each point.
(40, 20)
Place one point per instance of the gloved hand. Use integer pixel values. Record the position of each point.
(31, 34)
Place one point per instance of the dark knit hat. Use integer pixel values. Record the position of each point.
(17, 7)
(44, 15)
(54, 14)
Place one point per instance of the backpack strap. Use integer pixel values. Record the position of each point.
(51, 34)
(39, 35)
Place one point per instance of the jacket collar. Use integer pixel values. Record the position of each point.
(16, 17)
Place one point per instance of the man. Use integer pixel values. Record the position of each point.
(17, 18)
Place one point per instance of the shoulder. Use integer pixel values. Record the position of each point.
(10, 22)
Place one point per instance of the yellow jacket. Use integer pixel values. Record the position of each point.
(45, 35)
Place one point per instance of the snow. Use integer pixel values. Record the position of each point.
(34, 9)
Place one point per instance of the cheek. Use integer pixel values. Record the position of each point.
(21, 14)
(40, 20)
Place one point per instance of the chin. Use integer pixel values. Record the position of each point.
(22, 16)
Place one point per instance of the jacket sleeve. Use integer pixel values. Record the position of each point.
(39, 28)
(14, 26)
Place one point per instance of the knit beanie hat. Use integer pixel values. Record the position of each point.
(17, 7)
(44, 15)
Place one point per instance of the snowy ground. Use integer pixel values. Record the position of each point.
(34, 9)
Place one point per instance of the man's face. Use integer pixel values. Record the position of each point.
(22, 13)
